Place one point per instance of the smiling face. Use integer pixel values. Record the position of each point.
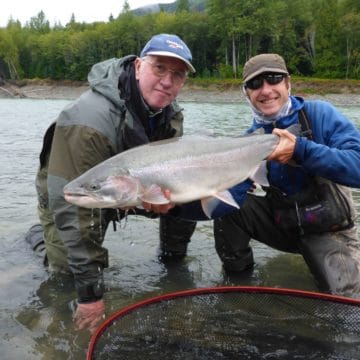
(159, 91)
(269, 99)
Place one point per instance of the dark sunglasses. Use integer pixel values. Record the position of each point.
(258, 81)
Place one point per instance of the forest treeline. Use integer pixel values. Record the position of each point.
(318, 38)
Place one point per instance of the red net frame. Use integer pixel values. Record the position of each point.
(213, 290)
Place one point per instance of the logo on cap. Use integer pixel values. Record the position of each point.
(174, 44)
(168, 45)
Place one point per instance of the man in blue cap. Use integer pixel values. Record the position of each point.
(131, 101)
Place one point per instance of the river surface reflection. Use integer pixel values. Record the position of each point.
(35, 309)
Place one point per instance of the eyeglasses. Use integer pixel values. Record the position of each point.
(258, 81)
(161, 70)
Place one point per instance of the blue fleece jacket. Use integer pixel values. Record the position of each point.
(333, 153)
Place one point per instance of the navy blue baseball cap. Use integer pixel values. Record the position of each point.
(168, 45)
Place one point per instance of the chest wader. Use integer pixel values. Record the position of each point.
(332, 256)
(43, 237)
(320, 207)
(175, 234)
(321, 217)
(55, 255)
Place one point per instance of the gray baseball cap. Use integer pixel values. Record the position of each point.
(264, 63)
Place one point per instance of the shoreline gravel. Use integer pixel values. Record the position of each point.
(187, 94)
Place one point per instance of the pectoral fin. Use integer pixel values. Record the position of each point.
(227, 198)
(259, 174)
(210, 203)
(154, 195)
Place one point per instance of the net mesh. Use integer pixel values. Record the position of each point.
(234, 323)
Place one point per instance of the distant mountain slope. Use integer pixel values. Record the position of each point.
(194, 5)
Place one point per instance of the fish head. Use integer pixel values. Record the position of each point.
(121, 191)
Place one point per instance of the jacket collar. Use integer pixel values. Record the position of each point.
(291, 118)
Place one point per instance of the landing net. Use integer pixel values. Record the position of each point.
(232, 322)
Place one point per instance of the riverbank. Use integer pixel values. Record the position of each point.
(46, 89)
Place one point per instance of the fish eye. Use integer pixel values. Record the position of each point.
(93, 187)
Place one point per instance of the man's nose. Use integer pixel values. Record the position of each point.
(266, 87)
(167, 80)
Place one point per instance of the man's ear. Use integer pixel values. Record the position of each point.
(245, 91)
(288, 84)
(137, 64)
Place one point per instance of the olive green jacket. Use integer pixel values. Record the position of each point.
(107, 119)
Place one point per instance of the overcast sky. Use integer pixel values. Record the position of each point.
(61, 10)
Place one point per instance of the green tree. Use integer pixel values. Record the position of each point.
(9, 53)
(223, 15)
(327, 38)
(350, 28)
(320, 37)
(39, 23)
(182, 5)
(126, 7)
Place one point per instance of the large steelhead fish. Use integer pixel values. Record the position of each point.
(191, 167)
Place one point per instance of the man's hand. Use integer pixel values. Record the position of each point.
(285, 149)
(159, 209)
(89, 315)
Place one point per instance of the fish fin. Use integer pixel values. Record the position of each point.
(259, 131)
(154, 195)
(227, 198)
(259, 174)
(295, 129)
(209, 204)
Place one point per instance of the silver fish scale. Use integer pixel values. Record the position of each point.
(209, 167)
(191, 167)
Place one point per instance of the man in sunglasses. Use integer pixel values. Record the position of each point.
(307, 208)
(131, 101)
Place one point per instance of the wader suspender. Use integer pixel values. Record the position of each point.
(306, 131)
(305, 124)
(331, 198)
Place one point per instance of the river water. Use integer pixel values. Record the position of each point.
(35, 309)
